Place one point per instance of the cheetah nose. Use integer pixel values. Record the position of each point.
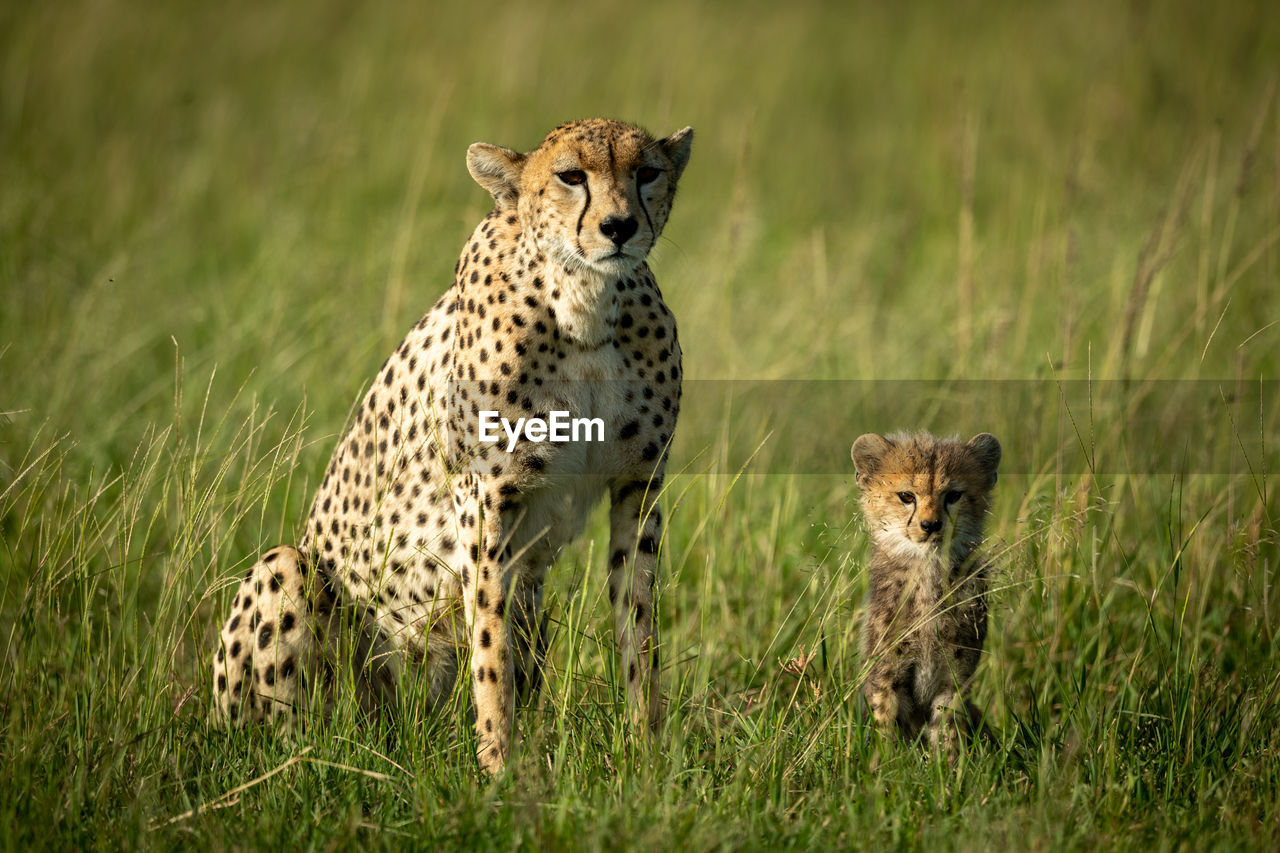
(619, 230)
(931, 525)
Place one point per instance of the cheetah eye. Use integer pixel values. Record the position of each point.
(572, 177)
(647, 175)
(952, 496)
(906, 497)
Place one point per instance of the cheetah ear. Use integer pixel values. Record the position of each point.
(677, 147)
(497, 170)
(986, 449)
(867, 454)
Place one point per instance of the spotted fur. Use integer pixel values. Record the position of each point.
(444, 540)
(925, 500)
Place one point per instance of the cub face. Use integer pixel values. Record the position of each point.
(924, 495)
(594, 195)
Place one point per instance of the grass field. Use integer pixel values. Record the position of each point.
(1056, 222)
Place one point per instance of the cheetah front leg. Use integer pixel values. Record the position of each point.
(528, 638)
(485, 584)
(635, 533)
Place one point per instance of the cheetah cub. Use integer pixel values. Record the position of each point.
(925, 500)
(437, 521)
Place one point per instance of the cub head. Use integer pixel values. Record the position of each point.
(922, 493)
(594, 196)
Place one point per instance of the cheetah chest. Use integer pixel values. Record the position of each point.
(593, 386)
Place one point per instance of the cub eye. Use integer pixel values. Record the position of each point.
(906, 497)
(647, 175)
(952, 496)
(572, 177)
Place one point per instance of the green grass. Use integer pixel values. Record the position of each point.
(1060, 223)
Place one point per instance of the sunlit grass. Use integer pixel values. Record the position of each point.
(1058, 224)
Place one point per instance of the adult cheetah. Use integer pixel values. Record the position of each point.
(434, 538)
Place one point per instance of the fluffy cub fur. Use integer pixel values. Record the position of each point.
(925, 500)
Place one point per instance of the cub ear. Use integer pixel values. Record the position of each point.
(677, 147)
(986, 449)
(497, 170)
(867, 454)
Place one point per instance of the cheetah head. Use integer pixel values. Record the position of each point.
(923, 495)
(594, 196)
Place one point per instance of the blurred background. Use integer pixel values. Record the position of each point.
(949, 191)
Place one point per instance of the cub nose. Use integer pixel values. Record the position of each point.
(619, 230)
(931, 525)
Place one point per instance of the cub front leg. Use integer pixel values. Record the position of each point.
(635, 533)
(882, 698)
(485, 581)
(948, 723)
(884, 677)
(954, 718)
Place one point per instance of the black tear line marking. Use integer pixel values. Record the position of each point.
(653, 235)
(581, 216)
